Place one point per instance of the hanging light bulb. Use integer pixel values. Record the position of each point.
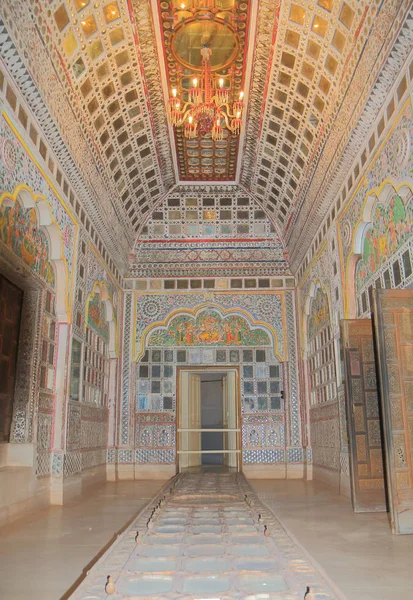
(217, 132)
(174, 108)
(190, 128)
(221, 96)
(236, 124)
(238, 105)
(195, 94)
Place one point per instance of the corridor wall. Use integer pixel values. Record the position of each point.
(50, 251)
(365, 243)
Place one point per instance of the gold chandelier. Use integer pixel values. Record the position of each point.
(207, 109)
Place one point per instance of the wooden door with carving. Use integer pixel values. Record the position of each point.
(393, 328)
(363, 417)
(11, 299)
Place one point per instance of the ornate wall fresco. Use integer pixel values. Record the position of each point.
(208, 328)
(320, 307)
(264, 308)
(19, 231)
(320, 313)
(20, 168)
(203, 329)
(391, 228)
(97, 318)
(154, 389)
(377, 222)
(20, 226)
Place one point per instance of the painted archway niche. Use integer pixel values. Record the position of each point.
(316, 313)
(209, 326)
(100, 315)
(384, 227)
(167, 378)
(319, 345)
(28, 228)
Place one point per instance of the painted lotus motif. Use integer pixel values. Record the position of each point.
(209, 328)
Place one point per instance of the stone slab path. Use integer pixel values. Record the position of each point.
(205, 537)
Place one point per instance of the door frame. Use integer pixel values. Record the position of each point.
(213, 369)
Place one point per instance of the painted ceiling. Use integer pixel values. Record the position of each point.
(105, 71)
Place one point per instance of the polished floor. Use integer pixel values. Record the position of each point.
(358, 552)
(206, 536)
(42, 556)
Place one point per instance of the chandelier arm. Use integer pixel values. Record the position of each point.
(227, 112)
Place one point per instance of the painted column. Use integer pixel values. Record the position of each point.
(60, 413)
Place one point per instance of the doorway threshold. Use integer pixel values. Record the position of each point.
(210, 469)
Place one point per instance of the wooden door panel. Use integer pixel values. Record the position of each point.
(11, 299)
(363, 417)
(393, 327)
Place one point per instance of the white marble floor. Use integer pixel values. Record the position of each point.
(358, 552)
(43, 555)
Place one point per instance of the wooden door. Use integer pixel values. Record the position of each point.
(363, 417)
(230, 418)
(11, 299)
(393, 328)
(189, 448)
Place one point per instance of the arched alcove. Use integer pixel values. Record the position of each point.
(100, 290)
(226, 316)
(318, 344)
(383, 229)
(27, 227)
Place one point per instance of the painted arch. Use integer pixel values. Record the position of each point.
(316, 312)
(385, 225)
(28, 228)
(208, 325)
(100, 315)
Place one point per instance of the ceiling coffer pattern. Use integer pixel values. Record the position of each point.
(98, 68)
(97, 47)
(201, 231)
(315, 53)
(186, 28)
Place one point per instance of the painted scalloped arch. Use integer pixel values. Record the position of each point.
(44, 222)
(384, 225)
(316, 291)
(209, 328)
(235, 321)
(105, 322)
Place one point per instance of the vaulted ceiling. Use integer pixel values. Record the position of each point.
(105, 71)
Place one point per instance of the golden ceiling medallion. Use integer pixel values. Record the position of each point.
(190, 37)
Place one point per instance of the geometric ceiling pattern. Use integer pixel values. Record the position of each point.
(311, 67)
(204, 234)
(96, 45)
(325, 60)
(105, 71)
(186, 27)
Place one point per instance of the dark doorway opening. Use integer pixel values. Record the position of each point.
(11, 300)
(212, 417)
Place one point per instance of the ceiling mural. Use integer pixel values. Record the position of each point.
(204, 47)
(147, 103)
